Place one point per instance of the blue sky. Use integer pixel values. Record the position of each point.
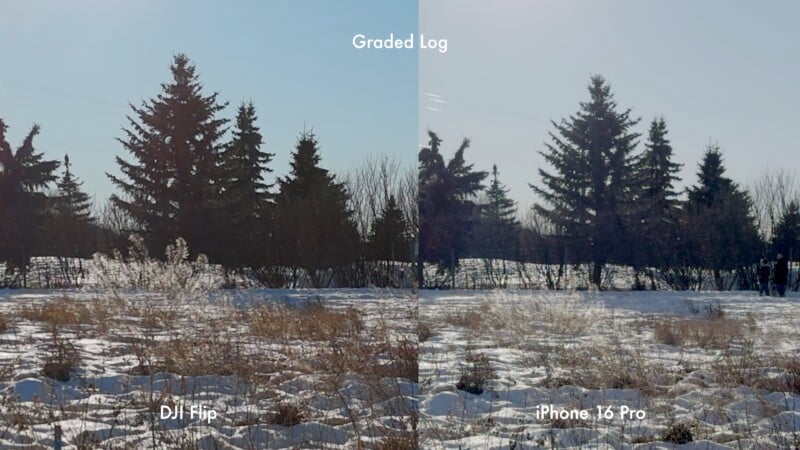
(74, 66)
(718, 71)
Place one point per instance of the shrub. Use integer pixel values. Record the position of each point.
(678, 433)
(287, 415)
(5, 325)
(62, 362)
(404, 360)
(472, 320)
(176, 277)
(667, 333)
(315, 323)
(424, 332)
(398, 443)
(793, 375)
(475, 376)
(716, 332)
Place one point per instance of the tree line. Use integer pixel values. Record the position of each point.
(606, 199)
(181, 177)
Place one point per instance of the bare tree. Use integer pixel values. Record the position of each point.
(116, 226)
(372, 183)
(771, 193)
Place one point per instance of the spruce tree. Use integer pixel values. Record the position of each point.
(446, 204)
(587, 194)
(712, 184)
(72, 216)
(786, 236)
(389, 237)
(658, 204)
(497, 229)
(72, 201)
(719, 229)
(314, 227)
(24, 175)
(247, 202)
(500, 208)
(433, 196)
(172, 185)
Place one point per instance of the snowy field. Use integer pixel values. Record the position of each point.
(616, 370)
(279, 369)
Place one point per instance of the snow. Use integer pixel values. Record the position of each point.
(108, 404)
(584, 350)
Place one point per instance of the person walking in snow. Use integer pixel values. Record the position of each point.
(763, 277)
(781, 275)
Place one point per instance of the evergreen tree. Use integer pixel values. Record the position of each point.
(389, 238)
(433, 196)
(719, 229)
(786, 237)
(72, 216)
(498, 228)
(246, 197)
(588, 196)
(172, 186)
(24, 174)
(446, 204)
(658, 205)
(500, 208)
(712, 185)
(72, 201)
(314, 228)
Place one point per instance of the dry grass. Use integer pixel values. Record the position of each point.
(601, 367)
(712, 333)
(63, 360)
(67, 313)
(406, 442)
(424, 331)
(262, 346)
(5, 323)
(475, 374)
(287, 415)
(678, 433)
(792, 366)
(214, 355)
(471, 320)
(313, 323)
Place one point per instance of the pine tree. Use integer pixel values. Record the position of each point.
(588, 196)
(24, 174)
(246, 197)
(718, 226)
(658, 202)
(712, 185)
(314, 227)
(172, 186)
(72, 201)
(497, 229)
(501, 208)
(446, 205)
(389, 237)
(72, 216)
(786, 237)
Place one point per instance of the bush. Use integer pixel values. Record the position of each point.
(287, 415)
(424, 332)
(5, 325)
(62, 362)
(474, 378)
(176, 276)
(678, 433)
(398, 443)
(716, 332)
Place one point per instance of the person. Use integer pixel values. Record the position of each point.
(763, 277)
(781, 275)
